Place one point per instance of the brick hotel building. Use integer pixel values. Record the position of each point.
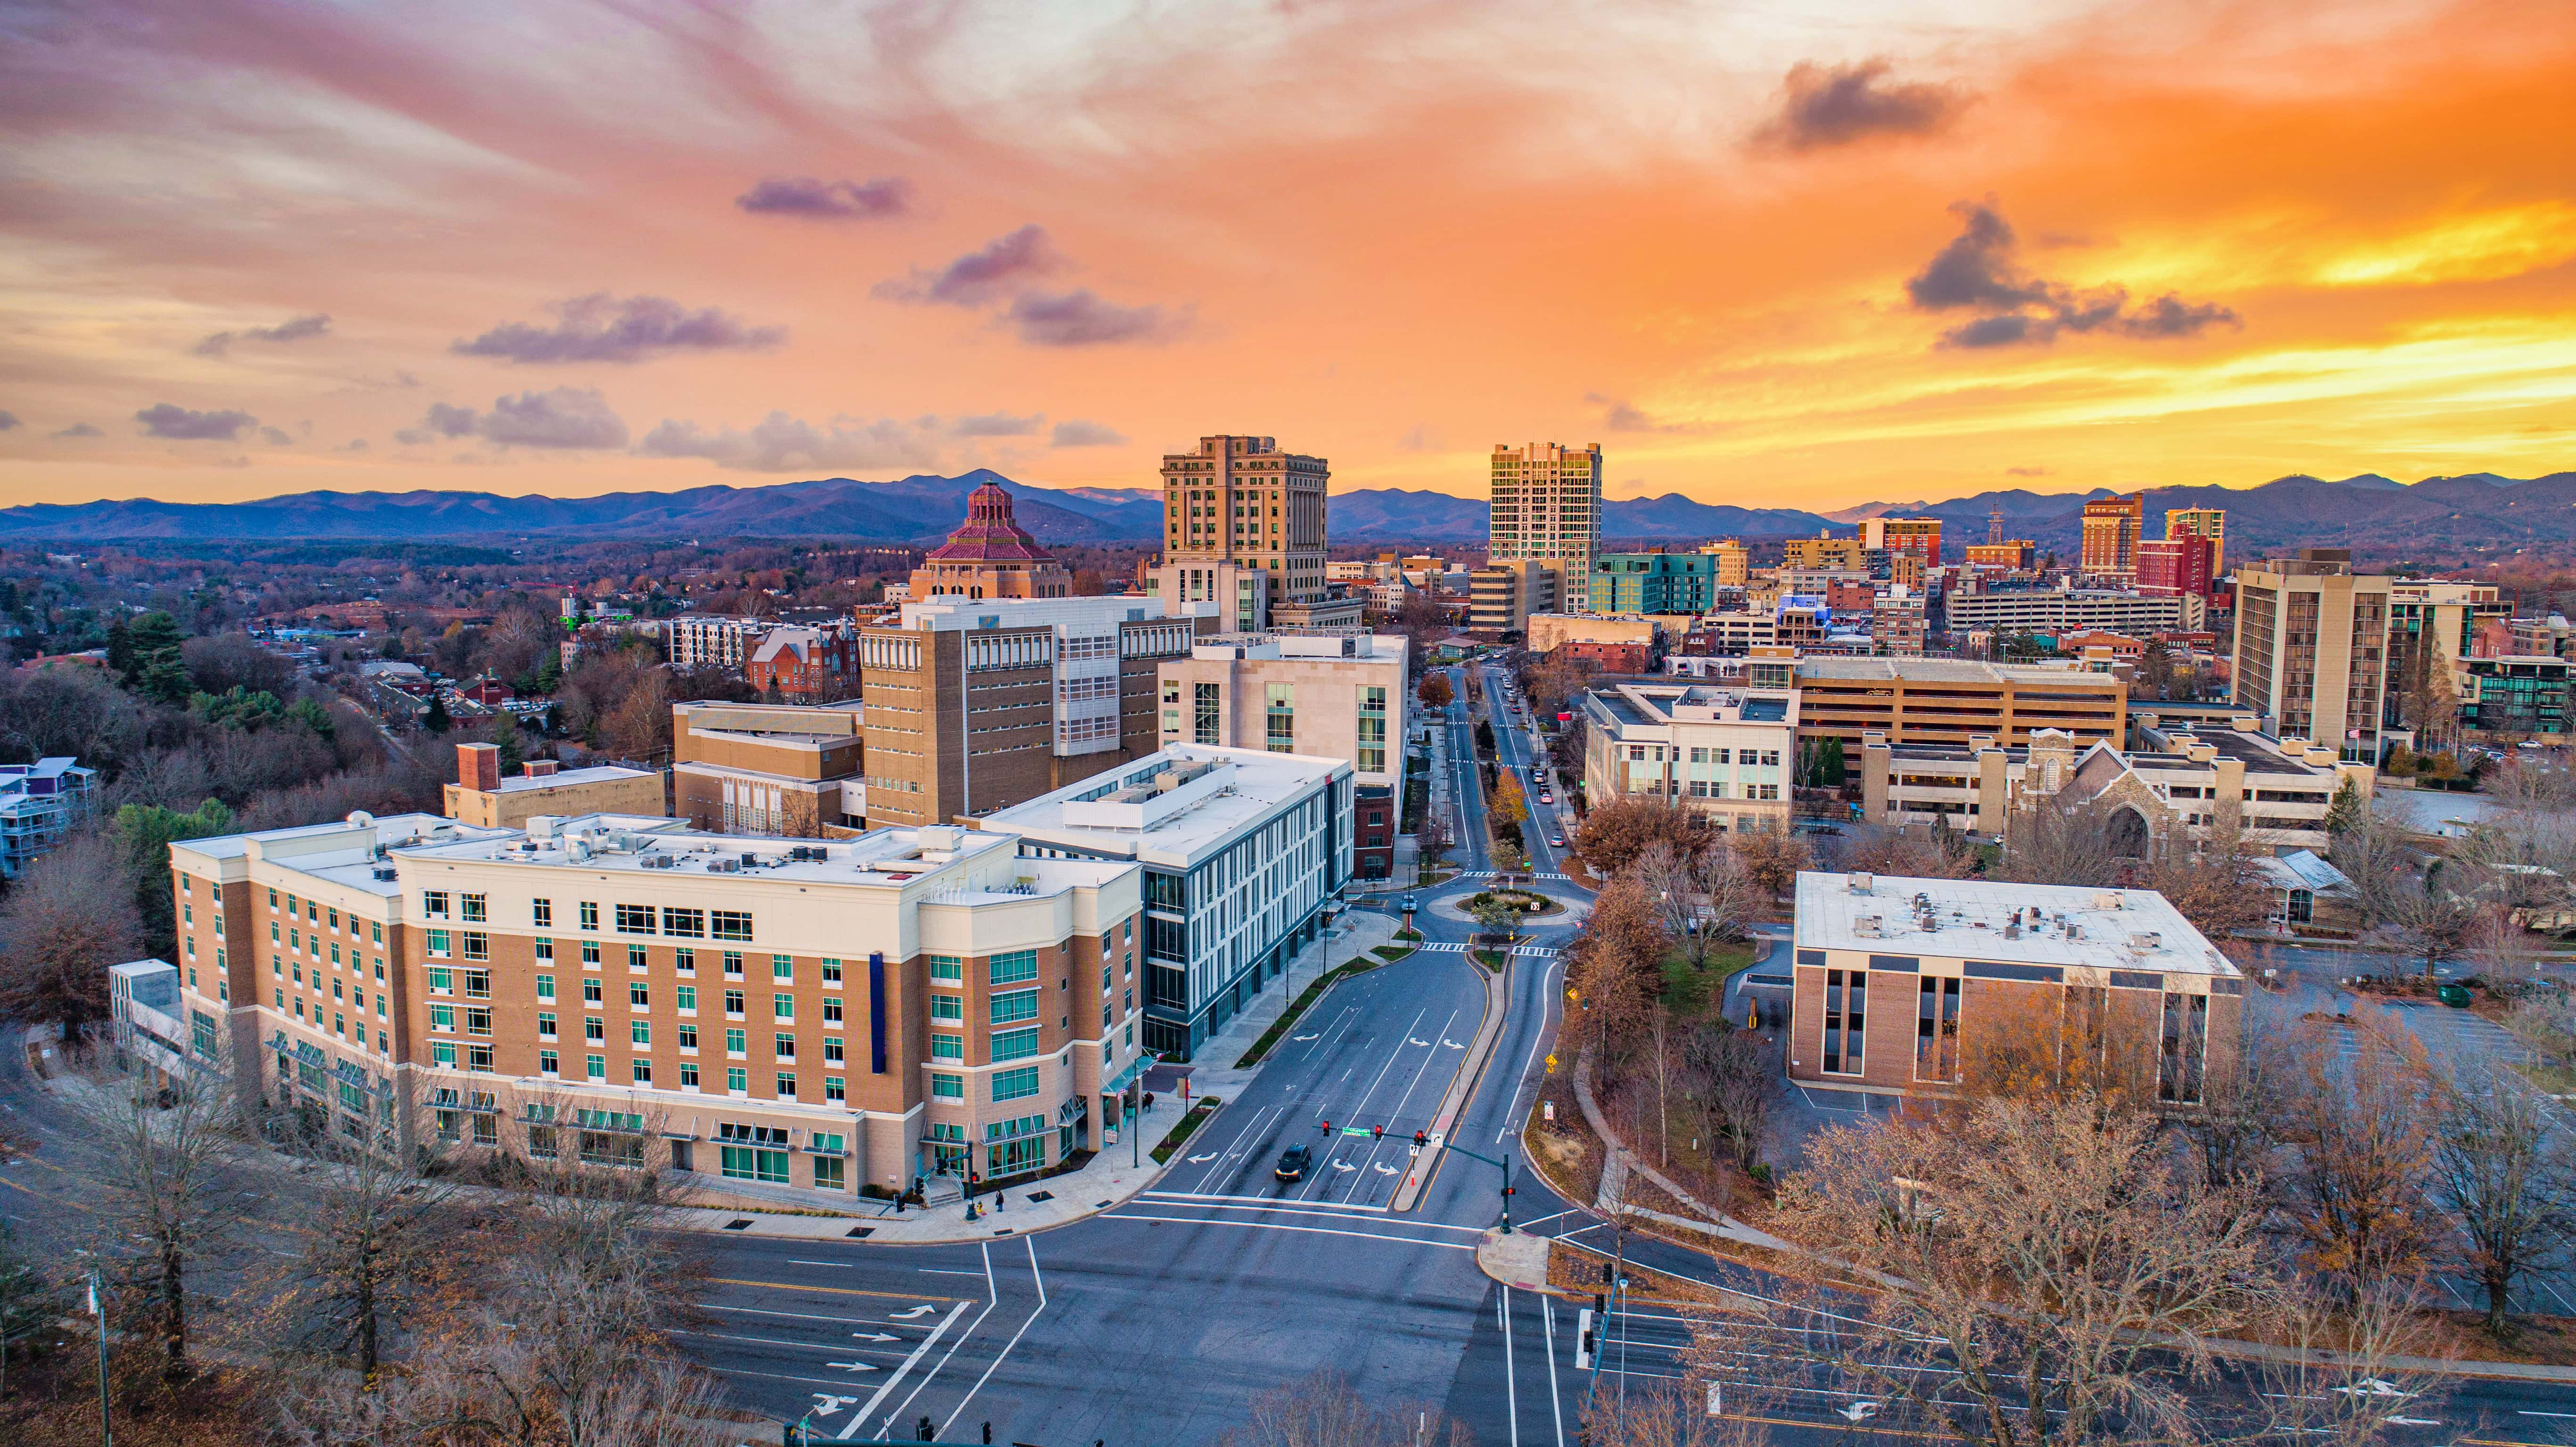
(814, 1016)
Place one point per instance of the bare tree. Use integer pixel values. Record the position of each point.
(2360, 1139)
(1615, 964)
(1737, 1079)
(67, 919)
(2424, 921)
(1667, 1414)
(2060, 841)
(2043, 1270)
(169, 1159)
(379, 1238)
(1771, 860)
(2511, 1182)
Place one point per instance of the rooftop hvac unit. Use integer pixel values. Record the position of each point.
(2107, 899)
(1859, 881)
(384, 875)
(2146, 940)
(1869, 927)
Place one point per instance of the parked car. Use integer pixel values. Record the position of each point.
(1293, 1163)
(1556, 840)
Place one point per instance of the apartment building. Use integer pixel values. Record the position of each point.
(1242, 500)
(2185, 565)
(2202, 522)
(40, 803)
(1919, 538)
(2514, 694)
(1656, 582)
(1241, 851)
(2018, 555)
(2111, 529)
(1824, 550)
(2066, 608)
(1341, 697)
(810, 1017)
(2122, 966)
(1899, 619)
(1733, 562)
(1545, 504)
(1914, 700)
(775, 769)
(481, 797)
(1502, 596)
(2312, 648)
(698, 640)
(974, 706)
(796, 664)
(2432, 623)
(1726, 754)
(989, 556)
(2180, 782)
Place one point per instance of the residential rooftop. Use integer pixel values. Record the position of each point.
(1950, 670)
(567, 778)
(2019, 924)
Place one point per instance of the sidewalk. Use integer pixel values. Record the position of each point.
(1356, 933)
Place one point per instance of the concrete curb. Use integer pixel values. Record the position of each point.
(1718, 1223)
(1470, 1071)
(1518, 1260)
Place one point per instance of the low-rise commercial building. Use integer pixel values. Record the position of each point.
(1727, 754)
(2179, 783)
(1551, 631)
(797, 664)
(481, 797)
(1241, 851)
(769, 768)
(1656, 582)
(1502, 595)
(1915, 700)
(1900, 985)
(812, 1017)
(2514, 694)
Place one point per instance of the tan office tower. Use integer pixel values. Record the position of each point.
(1919, 536)
(1734, 562)
(2111, 528)
(1242, 500)
(2202, 522)
(1547, 507)
(2312, 649)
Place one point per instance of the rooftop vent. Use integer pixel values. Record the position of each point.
(384, 874)
(2146, 941)
(2107, 899)
(1859, 881)
(1869, 927)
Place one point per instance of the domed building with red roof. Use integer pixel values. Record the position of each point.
(991, 556)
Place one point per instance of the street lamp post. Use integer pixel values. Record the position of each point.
(98, 1308)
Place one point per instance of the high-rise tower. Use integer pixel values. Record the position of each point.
(1546, 507)
(1241, 500)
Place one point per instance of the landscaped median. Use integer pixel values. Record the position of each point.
(1185, 1127)
(1261, 1048)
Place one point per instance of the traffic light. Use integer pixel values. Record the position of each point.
(1376, 1133)
(1328, 1130)
(1420, 1140)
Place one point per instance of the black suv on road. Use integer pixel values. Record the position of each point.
(1293, 1163)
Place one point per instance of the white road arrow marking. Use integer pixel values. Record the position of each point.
(1425, 1044)
(2373, 1387)
(875, 1336)
(1344, 1166)
(1452, 1044)
(1859, 1411)
(1386, 1170)
(922, 1310)
(1196, 1160)
(825, 1404)
(853, 1366)
(1305, 1037)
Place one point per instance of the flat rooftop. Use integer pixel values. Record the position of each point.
(568, 778)
(2123, 929)
(1951, 670)
(1246, 787)
(882, 858)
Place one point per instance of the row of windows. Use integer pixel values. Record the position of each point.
(632, 919)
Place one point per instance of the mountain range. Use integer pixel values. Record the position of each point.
(2474, 511)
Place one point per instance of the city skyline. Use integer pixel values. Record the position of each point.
(1807, 264)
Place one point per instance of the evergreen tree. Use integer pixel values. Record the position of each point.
(313, 715)
(436, 720)
(2347, 812)
(120, 651)
(1829, 764)
(513, 746)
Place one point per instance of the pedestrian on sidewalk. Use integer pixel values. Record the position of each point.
(1001, 1199)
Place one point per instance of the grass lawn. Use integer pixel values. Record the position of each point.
(1693, 994)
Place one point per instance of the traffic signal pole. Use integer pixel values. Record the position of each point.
(1505, 1166)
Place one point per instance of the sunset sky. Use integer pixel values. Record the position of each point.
(1776, 255)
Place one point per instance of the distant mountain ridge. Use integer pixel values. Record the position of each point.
(2471, 510)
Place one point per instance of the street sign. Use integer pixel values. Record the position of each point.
(1355, 1130)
